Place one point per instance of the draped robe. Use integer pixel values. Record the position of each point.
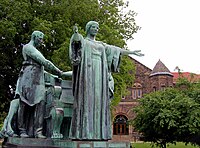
(91, 118)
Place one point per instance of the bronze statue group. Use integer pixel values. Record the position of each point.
(92, 86)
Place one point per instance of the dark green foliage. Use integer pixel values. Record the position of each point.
(19, 18)
(192, 90)
(171, 115)
(123, 79)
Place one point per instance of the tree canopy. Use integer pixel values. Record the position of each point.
(171, 115)
(55, 18)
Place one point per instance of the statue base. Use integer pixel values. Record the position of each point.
(58, 143)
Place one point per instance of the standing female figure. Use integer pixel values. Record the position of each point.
(93, 61)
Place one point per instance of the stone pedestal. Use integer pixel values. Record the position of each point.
(56, 143)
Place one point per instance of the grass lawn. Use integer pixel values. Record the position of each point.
(148, 145)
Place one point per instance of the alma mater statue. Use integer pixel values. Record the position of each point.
(93, 61)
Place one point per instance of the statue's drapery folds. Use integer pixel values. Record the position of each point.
(91, 115)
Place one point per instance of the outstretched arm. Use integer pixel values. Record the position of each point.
(37, 56)
(135, 52)
(50, 66)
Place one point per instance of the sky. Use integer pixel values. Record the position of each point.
(170, 31)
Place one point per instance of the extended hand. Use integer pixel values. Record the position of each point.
(138, 53)
(135, 52)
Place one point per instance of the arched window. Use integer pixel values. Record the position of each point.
(163, 87)
(120, 125)
(137, 91)
(154, 89)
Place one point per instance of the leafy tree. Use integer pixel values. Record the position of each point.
(124, 78)
(19, 18)
(191, 88)
(168, 116)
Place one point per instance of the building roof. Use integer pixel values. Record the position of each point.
(136, 61)
(160, 69)
(192, 77)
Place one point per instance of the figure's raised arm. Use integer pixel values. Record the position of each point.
(135, 52)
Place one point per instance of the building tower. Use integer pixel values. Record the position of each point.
(160, 77)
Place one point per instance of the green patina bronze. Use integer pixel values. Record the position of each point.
(93, 61)
(76, 109)
(31, 88)
(7, 129)
(57, 113)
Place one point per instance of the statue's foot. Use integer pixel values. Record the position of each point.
(57, 136)
(1, 135)
(10, 133)
(24, 135)
(39, 135)
(15, 135)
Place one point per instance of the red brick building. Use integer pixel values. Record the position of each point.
(146, 81)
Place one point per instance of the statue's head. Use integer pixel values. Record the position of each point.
(37, 37)
(89, 25)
